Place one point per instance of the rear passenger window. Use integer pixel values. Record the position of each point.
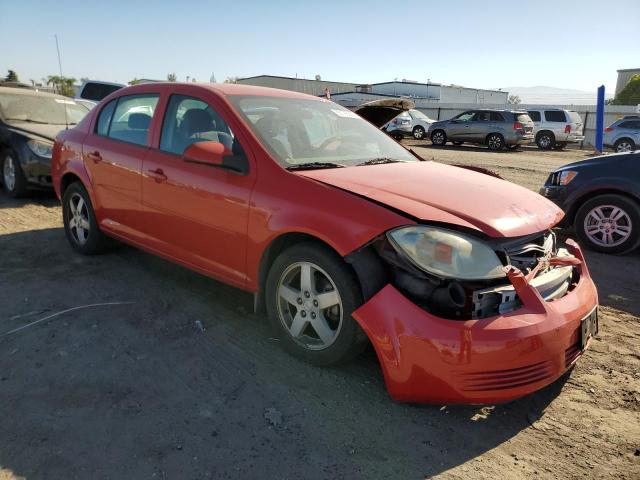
(535, 116)
(104, 119)
(132, 118)
(496, 117)
(555, 116)
(633, 125)
(189, 120)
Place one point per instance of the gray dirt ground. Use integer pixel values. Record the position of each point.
(139, 391)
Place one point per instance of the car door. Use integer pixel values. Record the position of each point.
(197, 213)
(458, 127)
(479, 126)
(113, 155)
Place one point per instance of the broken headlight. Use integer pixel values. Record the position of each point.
(446, 253)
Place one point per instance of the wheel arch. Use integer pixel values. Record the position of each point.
(366, 265)
(545, 130)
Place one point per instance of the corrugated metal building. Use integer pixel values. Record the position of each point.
(422, 92)
(303, 85)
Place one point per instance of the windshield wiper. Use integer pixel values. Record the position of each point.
(313, 166)
(378, 161)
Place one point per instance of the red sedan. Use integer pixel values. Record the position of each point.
(343, 235)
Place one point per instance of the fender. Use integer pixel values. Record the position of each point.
(594, 186)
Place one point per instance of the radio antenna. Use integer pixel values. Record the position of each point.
(66, 120)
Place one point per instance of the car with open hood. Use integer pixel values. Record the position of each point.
(29, 123)
(343, 236)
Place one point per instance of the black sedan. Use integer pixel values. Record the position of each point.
(601, 199)
(29, 122)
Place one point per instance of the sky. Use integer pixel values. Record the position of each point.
(481, 44)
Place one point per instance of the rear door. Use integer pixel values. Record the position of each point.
(113, 155)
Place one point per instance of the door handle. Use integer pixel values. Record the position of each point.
(158, 175)
(95, 156)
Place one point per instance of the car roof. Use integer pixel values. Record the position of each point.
(226, 89)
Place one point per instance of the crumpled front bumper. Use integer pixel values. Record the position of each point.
(429, 359)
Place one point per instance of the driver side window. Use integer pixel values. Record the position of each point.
(464, 117)
(188, 121)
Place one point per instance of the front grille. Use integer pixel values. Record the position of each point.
(524, 253)
(505, 379)
(571, 354)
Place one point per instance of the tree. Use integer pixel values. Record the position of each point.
(135, 81)
(171, 77)
(630, 94)
(514, 100)
(11, 76)
(62, 85)
(231, 80)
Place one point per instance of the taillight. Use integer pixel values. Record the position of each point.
(567, 129)
(608, 129)
(518, 126)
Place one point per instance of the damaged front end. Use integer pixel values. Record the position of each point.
(479, 285)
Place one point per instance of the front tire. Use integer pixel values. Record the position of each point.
(624, 145)
(310, 296)
(418, 132)
(495, 142)
(13, 179)
(609, 224)
(545, 141)
(439, 138)
(80, 225)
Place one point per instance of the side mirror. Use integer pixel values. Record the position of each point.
(207, 153)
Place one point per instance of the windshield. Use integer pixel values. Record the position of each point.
(420, 115)
(317, 132)
(18, 107)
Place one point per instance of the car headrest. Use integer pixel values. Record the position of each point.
(197, 120)
(139, 121)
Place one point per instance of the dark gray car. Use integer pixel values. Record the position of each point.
(496, 129)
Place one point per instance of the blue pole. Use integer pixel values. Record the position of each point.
(600, 119)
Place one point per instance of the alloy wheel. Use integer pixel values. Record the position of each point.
(79, 222)
(494, 142)
(624, 146)
(9, 173)
(309, 305)
(544, 142)
(438, 138)
(418, 133)
(607, 225)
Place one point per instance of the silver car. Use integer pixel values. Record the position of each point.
(412, 123)
(623, 135)
(496, 129)
(555, 127)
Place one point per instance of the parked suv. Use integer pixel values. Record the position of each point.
(496, 129)
(623, 135)
(555, 128)
(412, 123)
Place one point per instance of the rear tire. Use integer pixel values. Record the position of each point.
(418, 132)
(624, 145)
(315, 334)
(495, 142)
(13, 179)
(545, 140)
(609, 224)
(439, 138)
(80, 225)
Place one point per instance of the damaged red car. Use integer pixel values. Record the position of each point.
(344, 236)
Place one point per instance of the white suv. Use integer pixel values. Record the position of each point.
(554, 127)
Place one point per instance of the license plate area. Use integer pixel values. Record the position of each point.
(588, 328)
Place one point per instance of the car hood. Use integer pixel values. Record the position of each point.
(47, 131)
(602, 160)
(435, 192)
(381, 112)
